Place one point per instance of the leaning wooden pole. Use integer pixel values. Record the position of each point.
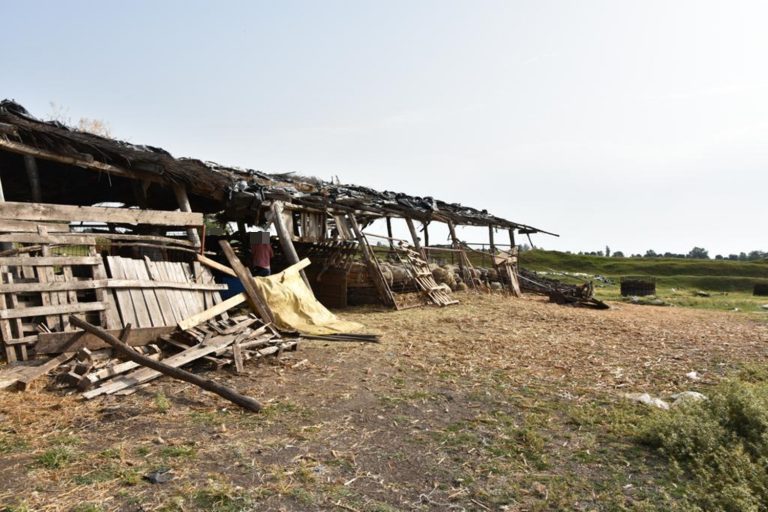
(415, 237)
(255, 300)
(177, 373)
(286, 241)
(374, 270)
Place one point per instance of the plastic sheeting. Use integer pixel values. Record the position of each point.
(296, 309)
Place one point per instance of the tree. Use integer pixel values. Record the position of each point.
(618, 254)
(607, 252)
(650, 253)
(719, 257)
(698, 253)
(756, 255)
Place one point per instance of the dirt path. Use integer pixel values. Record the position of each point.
(490, 405)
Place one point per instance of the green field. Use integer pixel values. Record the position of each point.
(729, 283)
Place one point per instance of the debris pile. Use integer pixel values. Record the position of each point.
(559, 292)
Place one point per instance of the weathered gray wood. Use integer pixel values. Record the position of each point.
(414, 235)
(123, 296)
(65, 286)
(54, 342)
(286, 238)
(61, 309)
(44, 212)
(23, 226)
(136, 269)
(36, 372)
(169, 366)
(181, 197)
(209, 313)
(110, 318)
(89, 239)
(48, 261)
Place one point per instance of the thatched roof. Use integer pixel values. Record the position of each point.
(235, 189)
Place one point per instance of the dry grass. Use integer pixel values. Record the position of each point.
(494, 404)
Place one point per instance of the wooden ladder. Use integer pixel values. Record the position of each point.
(422, 275)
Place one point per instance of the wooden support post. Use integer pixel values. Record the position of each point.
(512, 237)
(34, 178)
(492, 245)
(286, 242)
(183, 200)
(255, 300)
(456, 245)
(426, 238)
(389, 233)
(374, 270)
(177, 373)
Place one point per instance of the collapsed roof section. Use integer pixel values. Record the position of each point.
(239, 193)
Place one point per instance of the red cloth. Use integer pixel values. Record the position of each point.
(261, 254)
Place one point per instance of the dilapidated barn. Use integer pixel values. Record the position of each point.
(117, 234)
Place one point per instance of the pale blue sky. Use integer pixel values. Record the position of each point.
(634, 124)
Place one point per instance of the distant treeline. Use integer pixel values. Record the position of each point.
(697, 253)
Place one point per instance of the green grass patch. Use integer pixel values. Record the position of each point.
(178, 452)
(221, 499)
(56, 457)
(718, 448)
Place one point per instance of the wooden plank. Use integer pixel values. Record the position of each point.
(22, 226)
(45, 275)
(22, 340)
(140, 307)
(89, 238)
(255, 299)
(164, 296)
(68, 297)
(69, 213)
(146, 374)
(198, 274)
(136, 269)
(123, 297)
(178, 273)
(209, 313)
(110, 318)
(177, 300)
(6, 334)
(216, 265)
(48, 261)
(62, 309)
(53, 342)
(93, 378)
(74, 285)
(160, 294)
(36, 372)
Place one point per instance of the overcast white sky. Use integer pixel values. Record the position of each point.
(640, 125)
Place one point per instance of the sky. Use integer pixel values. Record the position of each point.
(637, 125)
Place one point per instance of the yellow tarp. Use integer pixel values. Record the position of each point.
(296, 309)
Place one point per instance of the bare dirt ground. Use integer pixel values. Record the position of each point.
(495, 404)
